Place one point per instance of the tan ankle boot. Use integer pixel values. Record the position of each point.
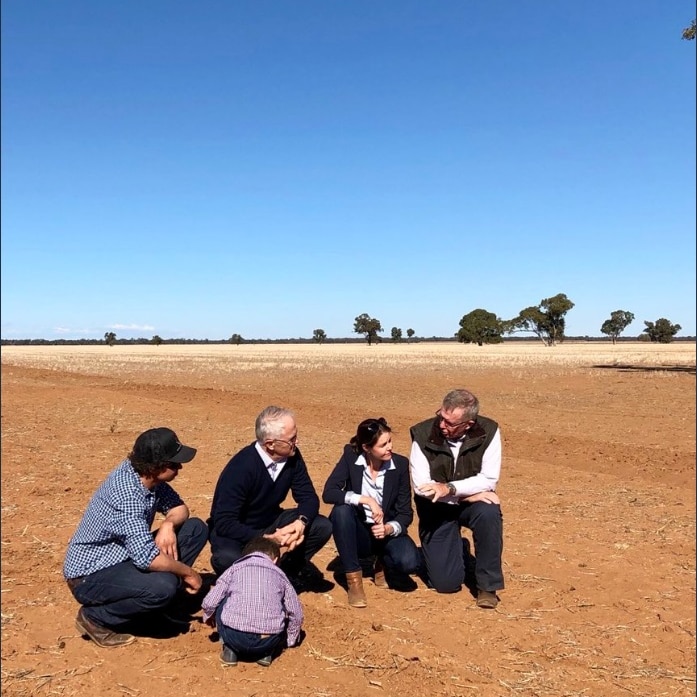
(356, 594)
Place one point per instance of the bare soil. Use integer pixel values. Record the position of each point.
(598, 491)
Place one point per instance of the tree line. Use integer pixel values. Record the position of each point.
(545, 321)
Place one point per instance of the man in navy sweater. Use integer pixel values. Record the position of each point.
(248, 497)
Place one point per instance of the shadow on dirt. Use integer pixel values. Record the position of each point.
(628, 368)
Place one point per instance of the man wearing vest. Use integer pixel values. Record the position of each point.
(455, 465)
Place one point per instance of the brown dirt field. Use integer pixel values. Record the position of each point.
(598, 491)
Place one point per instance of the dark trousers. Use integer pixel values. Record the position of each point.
(118, 594)
(354, 541)
(225, 550)
(441, 543)
(248, 645)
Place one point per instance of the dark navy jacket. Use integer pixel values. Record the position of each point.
(247, 501)
(347, 476)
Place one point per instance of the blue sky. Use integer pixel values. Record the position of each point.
(269, 167)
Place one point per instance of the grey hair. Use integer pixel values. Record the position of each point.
(462, 399)
(268, 424)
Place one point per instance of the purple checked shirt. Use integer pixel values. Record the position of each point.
(258, 598)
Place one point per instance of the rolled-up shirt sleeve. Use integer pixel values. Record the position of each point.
(419, 469)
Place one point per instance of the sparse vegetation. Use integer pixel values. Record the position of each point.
(370, 326)
(618, 322)
(546, 320)
(480, 327)
(661, 331)
(319, 336)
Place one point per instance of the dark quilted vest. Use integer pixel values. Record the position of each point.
(437, 451)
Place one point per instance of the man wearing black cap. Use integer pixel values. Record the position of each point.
(115, 566)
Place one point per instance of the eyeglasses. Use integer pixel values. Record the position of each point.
(290, 442)
(173, 465)
(449, 424)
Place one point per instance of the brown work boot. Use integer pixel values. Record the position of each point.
(101, 635)
(379, 574)
(356, 594)
(487, 599)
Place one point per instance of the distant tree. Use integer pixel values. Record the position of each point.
(689, 32)
(110, 338)
(618, 322)
(236, 339)
(662, 331)
(410, 333)
(546, 320)
(319, 335)
(365, 324)
(396, 334)
(157, 340)
(480, 327)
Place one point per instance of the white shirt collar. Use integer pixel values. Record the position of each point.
(362, 462)
(268, 461)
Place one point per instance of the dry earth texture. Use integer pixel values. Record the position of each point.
(598, 499)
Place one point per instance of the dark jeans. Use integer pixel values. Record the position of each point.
(441, 542)
(354, 541)
(225, 550)
(116, 595)
(248, 645)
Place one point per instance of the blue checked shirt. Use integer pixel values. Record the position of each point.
(258, 598)
(117, 524)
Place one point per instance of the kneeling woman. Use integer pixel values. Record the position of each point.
(371, 492)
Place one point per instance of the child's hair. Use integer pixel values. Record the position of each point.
(263, 545)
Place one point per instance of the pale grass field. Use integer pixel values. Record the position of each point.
(229, 358)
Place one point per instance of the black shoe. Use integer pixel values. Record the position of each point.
(266, 661)
(311, 579)
(487, 600)
(335, 565)
(227, 656)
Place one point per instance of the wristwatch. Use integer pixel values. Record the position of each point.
(304, 520)
(451, 489)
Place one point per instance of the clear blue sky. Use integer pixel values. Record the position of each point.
(269, 167)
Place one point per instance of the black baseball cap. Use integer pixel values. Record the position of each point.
(161, 445)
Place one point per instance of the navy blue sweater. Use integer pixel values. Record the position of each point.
(247, 501)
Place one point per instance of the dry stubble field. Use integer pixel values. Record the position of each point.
(598, 500)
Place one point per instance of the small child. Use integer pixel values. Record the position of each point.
(254, 606)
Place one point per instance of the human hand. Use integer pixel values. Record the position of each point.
(210, 621)
(291, 535)
(380, 530)
(485, 496)
(192, 582)
(376, 511)
(166, 540)
(434, 490)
